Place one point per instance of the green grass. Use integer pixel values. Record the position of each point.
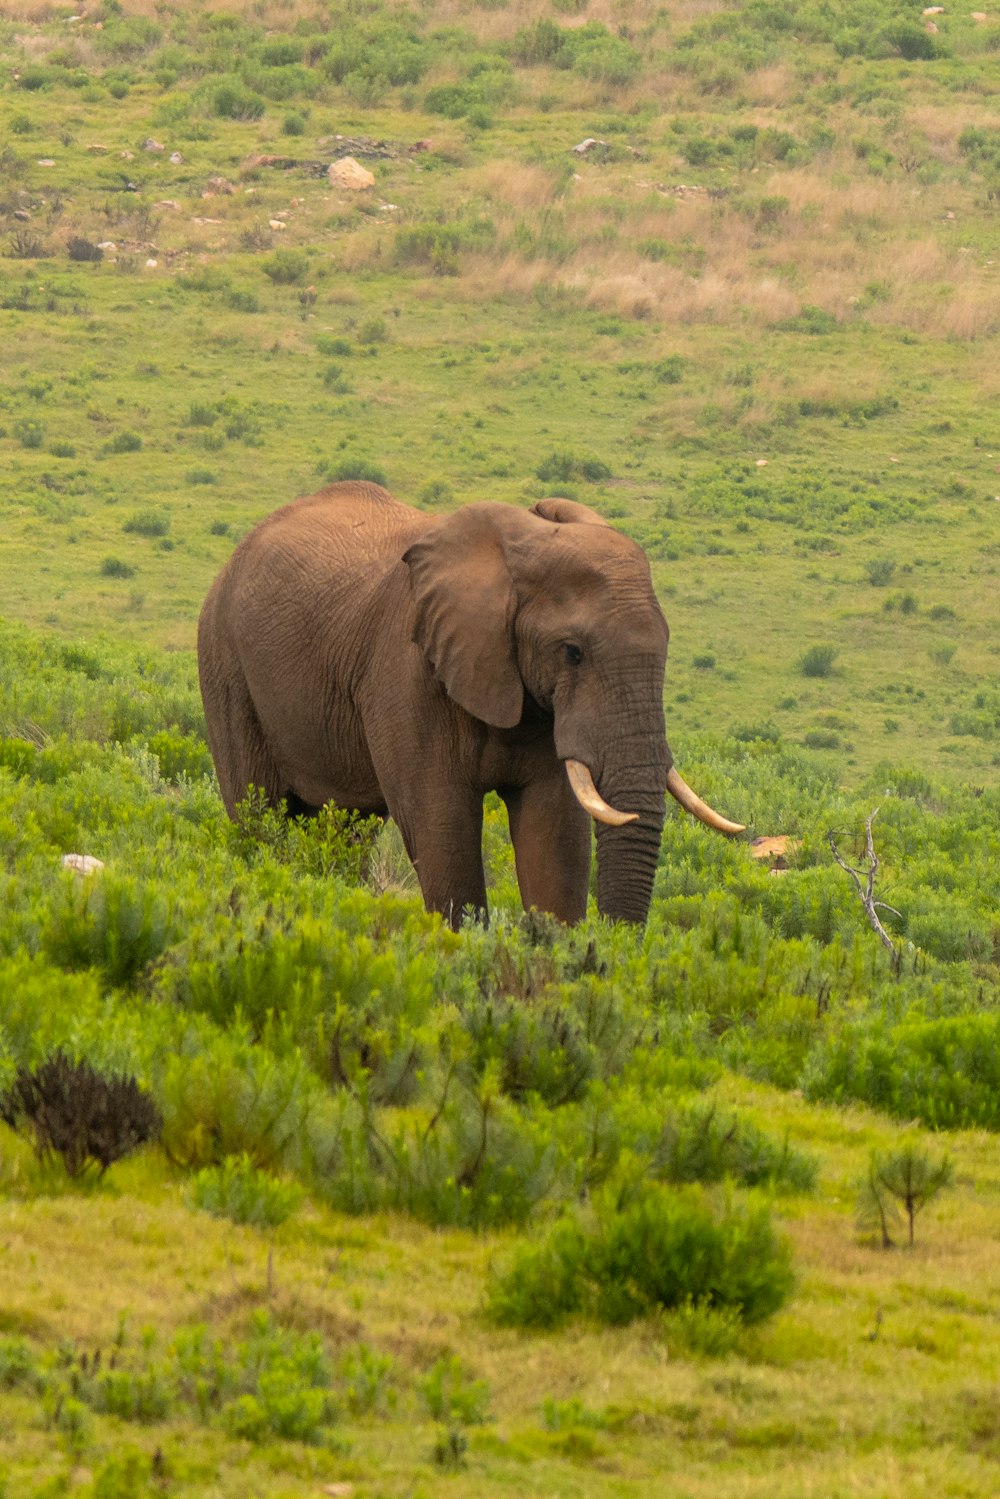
(754, 327)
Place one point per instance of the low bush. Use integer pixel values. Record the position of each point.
(668, 1249)
(147, 523)
(817, 661)
(237, 1189)
(71, 1110)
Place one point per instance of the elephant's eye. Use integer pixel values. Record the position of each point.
(573, 653)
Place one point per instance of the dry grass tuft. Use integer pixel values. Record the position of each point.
(517, 184)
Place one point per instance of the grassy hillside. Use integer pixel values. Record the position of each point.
(519, 1210)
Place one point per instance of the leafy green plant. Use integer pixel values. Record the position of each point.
(452, 1396)
(666, 1249)
(900, 1184)
(239, 1190)
(117, 567)
(818, 661)
(147, 523)
(286, 267)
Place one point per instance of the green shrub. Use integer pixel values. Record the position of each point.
(880, 571)
(668, 1249)
(147, 523)
(369, 1377)
(123, 442)
(116, 567)
(817, 661)
(237, 1189)
(354, 468)
(286, 267)
(231, 101)
(180, 755)
(564, 467)
(943, 1072)
(899, 1184)
(451, 1396)
(29, 432)
(118, 924)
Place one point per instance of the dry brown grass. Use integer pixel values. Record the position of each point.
(517, 184)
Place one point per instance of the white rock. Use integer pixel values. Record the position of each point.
(176, 158)
(151, 264)
(82, 863)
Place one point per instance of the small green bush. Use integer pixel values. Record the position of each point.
(451, 1396)
(286, 267)
(147, 523)
(123, 442)
(237, 1189)
(115, 567)
(353, 468)
(880, 571)
(668, 1249)
(233, 102)
(817, 661)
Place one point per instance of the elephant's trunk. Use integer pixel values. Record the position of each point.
(628, 843)
(627, 855)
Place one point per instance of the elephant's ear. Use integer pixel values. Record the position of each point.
(465, 605)
(562, 511)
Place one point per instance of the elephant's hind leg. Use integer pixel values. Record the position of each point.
(240, 749)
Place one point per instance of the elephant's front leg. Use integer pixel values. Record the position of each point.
(551, 836)
(443, 834)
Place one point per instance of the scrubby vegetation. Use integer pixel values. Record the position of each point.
(304, 1191)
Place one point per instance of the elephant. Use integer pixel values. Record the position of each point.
(357, 650)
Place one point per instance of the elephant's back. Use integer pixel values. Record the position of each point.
(353, 524)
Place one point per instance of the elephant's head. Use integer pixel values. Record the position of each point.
(555, 604)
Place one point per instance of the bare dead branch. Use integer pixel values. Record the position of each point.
(865, 891)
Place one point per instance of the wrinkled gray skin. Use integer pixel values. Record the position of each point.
(356, 650)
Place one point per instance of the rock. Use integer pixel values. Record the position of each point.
(276, 224)
(284, 162)
(23, 215)
(587, 145)
(176, 158)
(933, 10)
(127, 155)
(218, 187)
(777, 850)
(169, 203)
(82, 863)
(106, 244)
(350, 174)
(45, 161)
(420, 146)
(151, 145)
(97, 150)
(151, 264)
(931, 29)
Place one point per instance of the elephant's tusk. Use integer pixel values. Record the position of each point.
(681, 791)
(590, 798)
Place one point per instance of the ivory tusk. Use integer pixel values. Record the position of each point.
(681, 791)
(590, 798)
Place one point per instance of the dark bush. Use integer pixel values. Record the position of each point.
(82, 249)
(87, 1118)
